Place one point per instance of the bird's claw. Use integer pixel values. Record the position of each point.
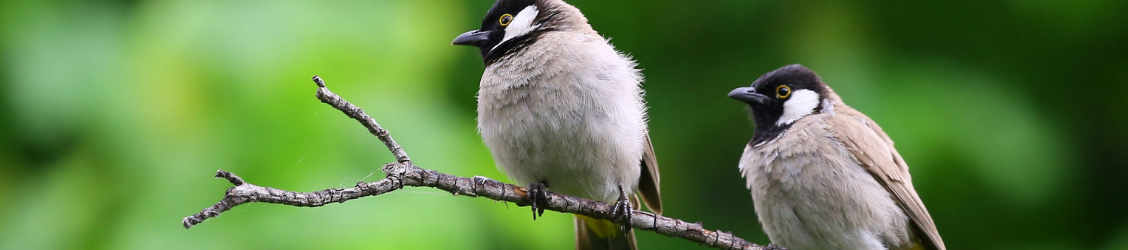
(623, 210)
(538, 198)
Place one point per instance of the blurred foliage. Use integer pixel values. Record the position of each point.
(115, 114)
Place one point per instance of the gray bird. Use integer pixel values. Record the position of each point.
(825, 176)
(560, 109)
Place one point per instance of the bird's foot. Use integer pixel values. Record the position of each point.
(623, 210)
(538, 198)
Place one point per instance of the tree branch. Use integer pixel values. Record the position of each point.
(328, 97)
(403, 173)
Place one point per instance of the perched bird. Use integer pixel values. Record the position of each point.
(825, 176)
(561, 110)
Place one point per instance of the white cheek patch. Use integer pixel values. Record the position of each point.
(521, 24)
(802, 103)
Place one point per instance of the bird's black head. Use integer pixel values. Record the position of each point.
(779, 98)
(508, 26)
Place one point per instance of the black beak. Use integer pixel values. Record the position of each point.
(748, 95)
(473, 37)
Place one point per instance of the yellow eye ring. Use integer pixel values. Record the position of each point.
(505, 19)
(783, 91)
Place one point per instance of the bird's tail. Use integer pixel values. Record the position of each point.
(596, 234)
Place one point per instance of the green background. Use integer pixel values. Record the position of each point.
(115, 114)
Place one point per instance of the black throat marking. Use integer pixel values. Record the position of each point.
(513, 46)
(766, 129)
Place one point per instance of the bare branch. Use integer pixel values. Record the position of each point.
(403, 173)
(328, 97)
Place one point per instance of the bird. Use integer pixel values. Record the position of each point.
(561, 110)
(823, 175)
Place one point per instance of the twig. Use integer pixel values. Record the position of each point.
(328, 97)
(403, 173)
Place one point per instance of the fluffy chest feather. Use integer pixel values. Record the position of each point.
(567, 111)
(810, 192)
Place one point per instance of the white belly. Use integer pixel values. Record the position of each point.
(571, 147)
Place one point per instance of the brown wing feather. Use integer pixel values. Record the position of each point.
(874, 150)
(648, 179)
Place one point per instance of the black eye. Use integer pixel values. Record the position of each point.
(505, 19)
(783, 91)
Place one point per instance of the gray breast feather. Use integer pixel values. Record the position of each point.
(810, 193)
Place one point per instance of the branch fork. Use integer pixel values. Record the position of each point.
(403, 173)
